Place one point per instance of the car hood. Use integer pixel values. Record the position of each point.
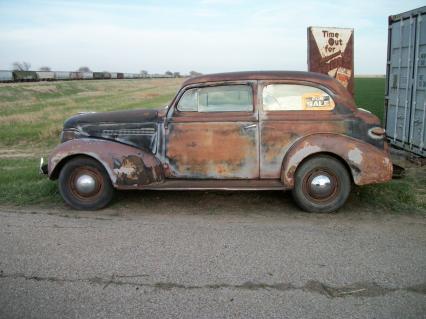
(135, 127)
(116, 117)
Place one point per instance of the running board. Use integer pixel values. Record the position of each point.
(231, 185)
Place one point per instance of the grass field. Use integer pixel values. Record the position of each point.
(32, 114)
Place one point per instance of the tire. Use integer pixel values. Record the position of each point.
(84, 184)
(321, 184)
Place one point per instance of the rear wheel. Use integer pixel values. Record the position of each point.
(321, 184)
(84, 184)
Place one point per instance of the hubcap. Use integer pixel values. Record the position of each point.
(85, 184)
(321, 186)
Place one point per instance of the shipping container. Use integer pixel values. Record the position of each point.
(24, 76)
(76, 75)
(113, 75)
(62, 75)
(45, 75)
(87, 75)
(6, 76)
(405, 99)
(107, 75)
(98, 75)
(120, 75)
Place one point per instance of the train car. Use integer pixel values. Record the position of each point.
(98, 75)
(62, 75)
(20, 76)
(113, 75)
(127, 76)
(120, 75)
(45, 75)
(76, 75)
(107, 75)
(87, 75)
(6, 76)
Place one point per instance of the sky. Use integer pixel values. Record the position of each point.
(206, 35)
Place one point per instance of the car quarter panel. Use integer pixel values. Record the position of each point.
(367, 163)
(127, 166)
(279, 133)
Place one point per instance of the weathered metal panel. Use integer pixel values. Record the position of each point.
(25, 76)
(76, 75)
(45, 75)
(405, 102)
(6, 76)
(367, 163)
(98, 75)
(331, 51)
(128, 167)
(87, 75)
(62, 75)
(213, 150)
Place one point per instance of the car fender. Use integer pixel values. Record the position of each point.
(127, 166)
(367, 163)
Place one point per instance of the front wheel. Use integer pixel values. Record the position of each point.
(84, 184)
(321, 185)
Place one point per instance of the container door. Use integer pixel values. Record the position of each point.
(401, 53)
(417, 135)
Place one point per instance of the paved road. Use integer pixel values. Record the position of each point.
(125, 263)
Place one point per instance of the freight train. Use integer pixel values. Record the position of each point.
(24, 76)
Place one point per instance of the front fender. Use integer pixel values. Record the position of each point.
(127, 166)
(368, 164)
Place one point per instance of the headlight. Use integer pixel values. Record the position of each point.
(69, 134)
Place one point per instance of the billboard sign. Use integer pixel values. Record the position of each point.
(331, 51)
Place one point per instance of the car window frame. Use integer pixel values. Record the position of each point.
(251, 83)
(263, 84)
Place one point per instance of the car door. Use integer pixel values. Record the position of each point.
(212, 133)
(288, 112)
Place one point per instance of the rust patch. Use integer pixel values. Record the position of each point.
(125, 165)
(212, 150)
(367, 163)
(278, 136)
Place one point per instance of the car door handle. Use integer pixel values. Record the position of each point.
(249, 126)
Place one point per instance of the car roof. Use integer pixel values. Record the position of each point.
(317, 78)
(258, 75)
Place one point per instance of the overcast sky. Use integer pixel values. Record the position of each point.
(205, 35)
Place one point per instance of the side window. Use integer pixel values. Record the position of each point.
(293, 97)
(225, 98)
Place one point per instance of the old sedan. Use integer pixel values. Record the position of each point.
(274, 130)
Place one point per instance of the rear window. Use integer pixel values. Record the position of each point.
(226, 98)
(293, 97)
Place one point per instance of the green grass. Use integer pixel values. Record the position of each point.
(20, 184)
(32, 114)
(370, 95)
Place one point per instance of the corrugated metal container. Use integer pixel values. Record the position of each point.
(45, 75)
(6, 76)
(405, 100)
(98, 75)
(76, 75)
(25, 76)
(62, 75)
(87, 75)
(113, 75)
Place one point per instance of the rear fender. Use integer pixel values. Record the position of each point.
(127, 166)
(367, 163)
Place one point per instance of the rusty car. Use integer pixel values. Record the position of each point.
(270, 130)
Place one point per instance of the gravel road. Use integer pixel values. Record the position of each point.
(128, 263)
